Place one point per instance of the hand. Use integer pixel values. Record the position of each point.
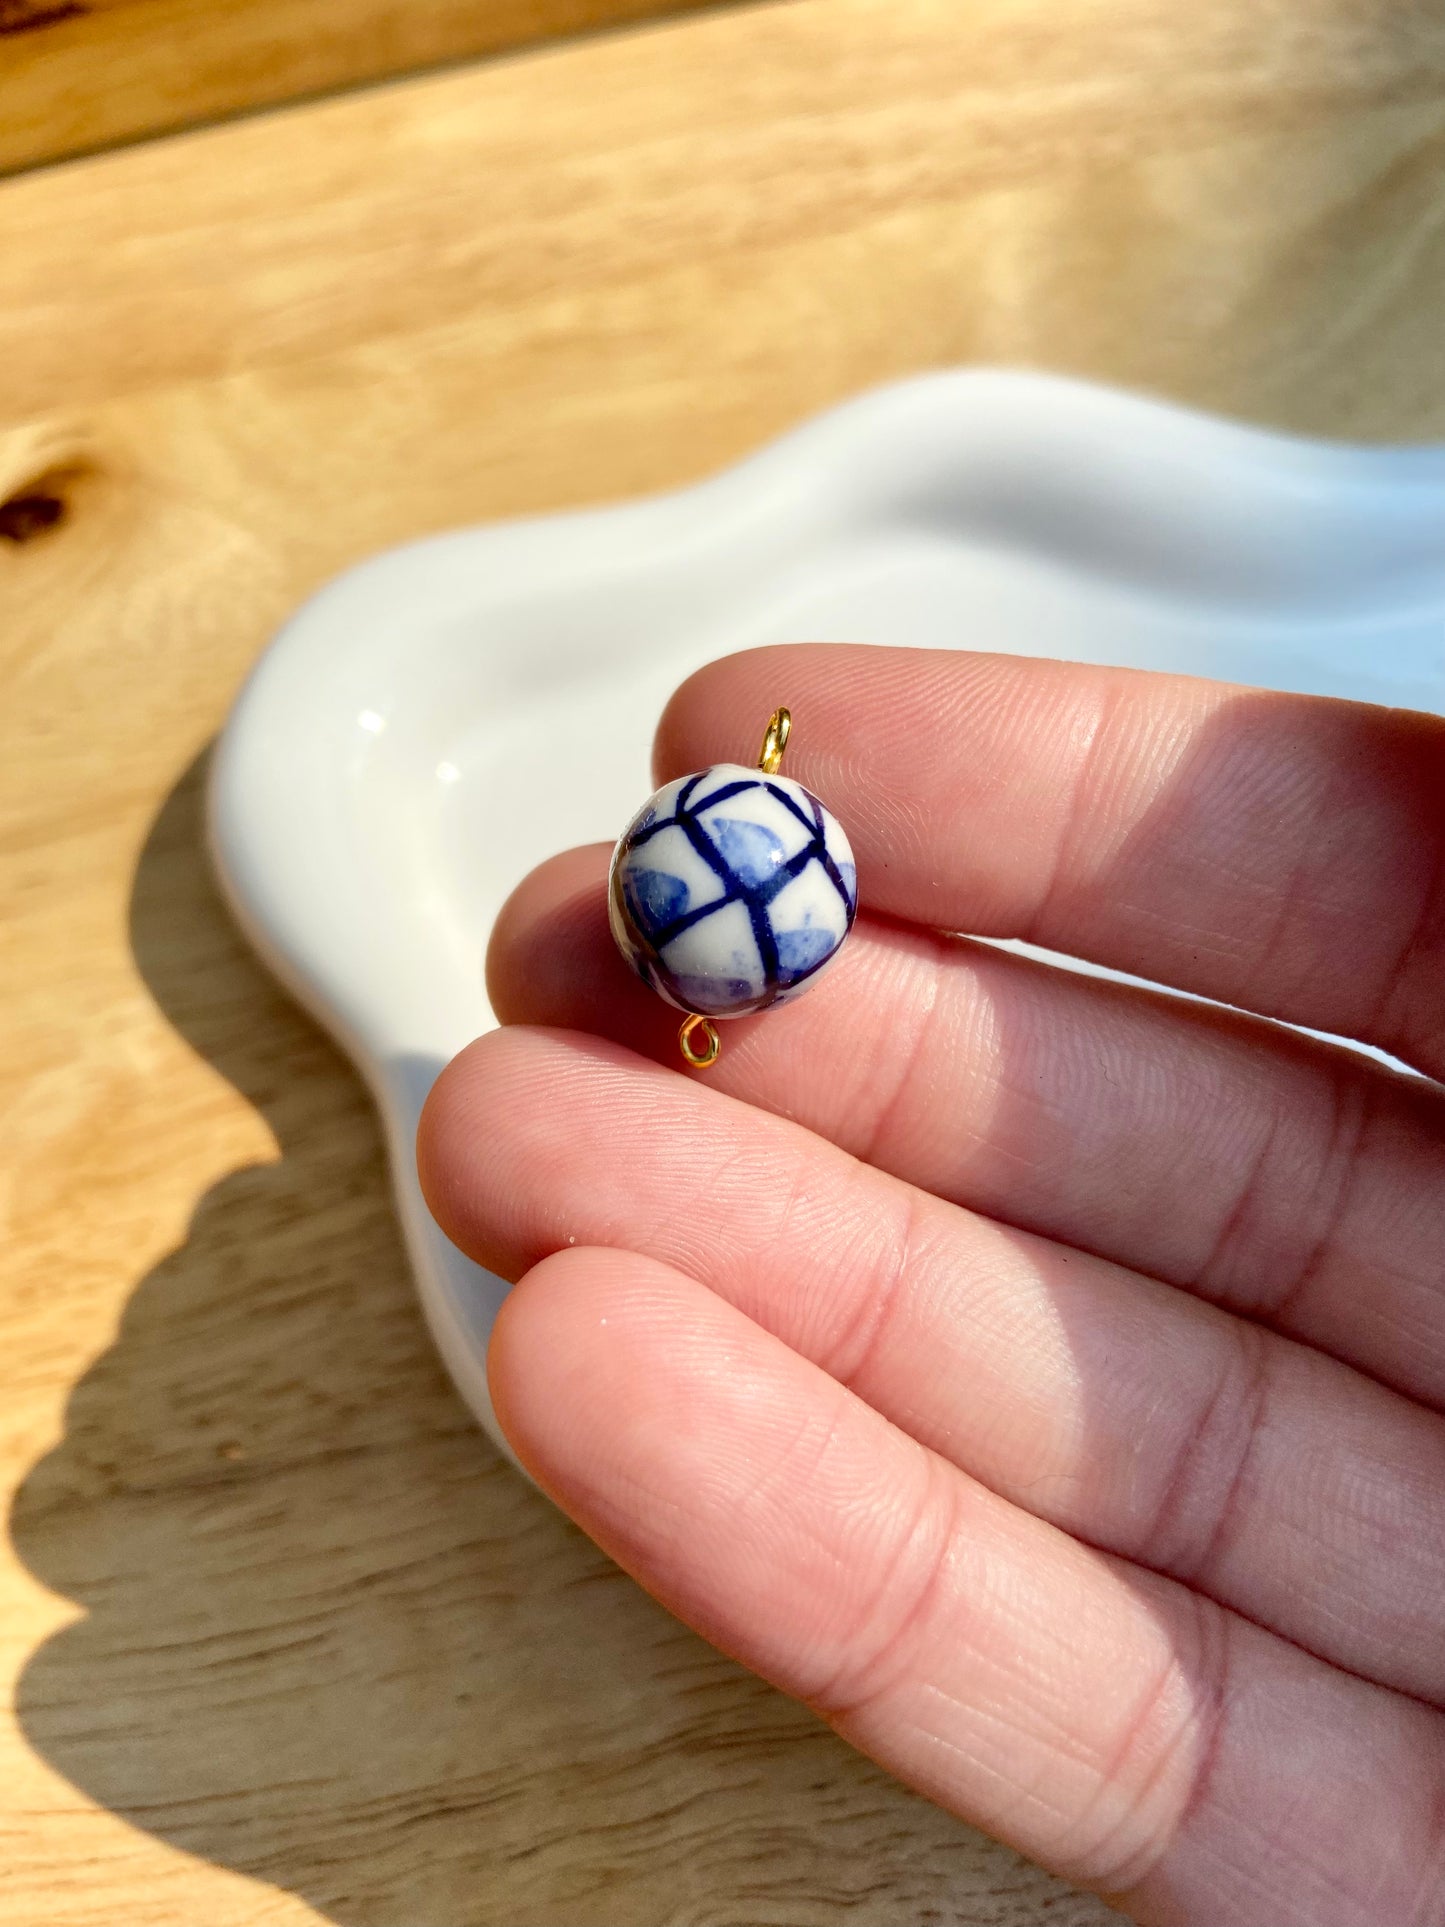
(1040, 1376)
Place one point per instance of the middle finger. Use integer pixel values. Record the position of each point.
(1144, 1421)
(1294, 1182)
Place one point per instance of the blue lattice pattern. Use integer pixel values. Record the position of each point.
(731, 890)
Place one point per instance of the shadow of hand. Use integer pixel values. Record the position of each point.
(330, 1639)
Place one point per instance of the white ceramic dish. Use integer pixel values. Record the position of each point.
(441, 718)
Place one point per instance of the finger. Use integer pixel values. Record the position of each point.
(1285, 1179)
(1283, 853)
(1277, 1480)
(1106, 1721)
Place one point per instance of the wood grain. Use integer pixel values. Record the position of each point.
(284, 1641)
(79, 75)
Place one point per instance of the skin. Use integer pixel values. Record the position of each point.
(1040, 1376)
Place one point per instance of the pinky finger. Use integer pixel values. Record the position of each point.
(1111, 1724)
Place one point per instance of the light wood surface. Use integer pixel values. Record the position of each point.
(285, 1641)
(78, 75)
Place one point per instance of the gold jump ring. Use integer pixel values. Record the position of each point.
(705, 1058)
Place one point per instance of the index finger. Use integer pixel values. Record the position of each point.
(1282, 853)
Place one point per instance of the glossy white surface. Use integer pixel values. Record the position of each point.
(441, 718)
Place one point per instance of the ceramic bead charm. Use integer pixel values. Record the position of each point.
(730, 891)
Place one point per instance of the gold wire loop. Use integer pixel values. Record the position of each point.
(775, 741)
(705, 1058)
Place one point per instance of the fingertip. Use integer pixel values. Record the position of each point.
(719, 713)
(568, 1362)
(456, 1137)
(496, 1145)
(551, 938)
(552, 961)
(533, 1326)
(541, 1314)
(444, 1135)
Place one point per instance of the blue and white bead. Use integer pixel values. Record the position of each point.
(731, 890)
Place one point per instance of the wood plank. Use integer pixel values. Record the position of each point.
(79, 75)
(283, 1641)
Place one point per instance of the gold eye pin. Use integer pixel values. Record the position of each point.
(775, 741)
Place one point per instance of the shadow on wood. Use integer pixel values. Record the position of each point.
(329, 1639)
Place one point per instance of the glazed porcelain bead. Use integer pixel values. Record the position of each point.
(731, 890)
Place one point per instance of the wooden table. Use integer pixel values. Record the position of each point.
(286, 1640)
